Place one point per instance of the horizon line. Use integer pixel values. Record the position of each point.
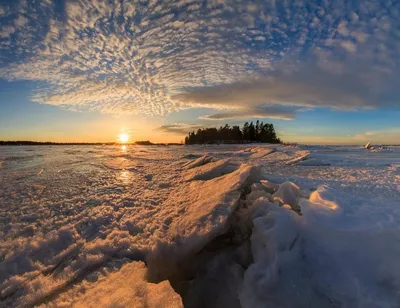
(147, 142)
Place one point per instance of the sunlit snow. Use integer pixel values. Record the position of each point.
(199, 226)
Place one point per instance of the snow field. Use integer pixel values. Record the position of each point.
(216, 226)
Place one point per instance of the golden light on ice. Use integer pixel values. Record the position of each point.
(123, 138)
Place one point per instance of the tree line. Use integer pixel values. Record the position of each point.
(250, 132)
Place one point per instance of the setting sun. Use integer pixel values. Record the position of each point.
(123, 138)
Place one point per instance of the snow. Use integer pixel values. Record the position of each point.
(198, 162)
(301, 155)
(313, 226)
(313, 162)
(208, 171)
(200, 219)
(288, 193)
(262, 152)
(123, 288)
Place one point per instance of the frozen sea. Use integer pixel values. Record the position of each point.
(199, 226)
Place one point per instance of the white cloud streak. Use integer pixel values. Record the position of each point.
(179, 128)
(258, 112)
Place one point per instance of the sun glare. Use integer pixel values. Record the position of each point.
(123, 138)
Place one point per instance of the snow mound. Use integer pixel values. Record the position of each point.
(288, 193)
(275, 246)
(323, 199)
(205, 159)
(208, 171)
(126, 288)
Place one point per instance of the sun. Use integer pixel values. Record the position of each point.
(123, 138)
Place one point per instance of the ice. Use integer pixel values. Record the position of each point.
(204, 209)
(271, 187)
(313, 162)
(125, 288)
(228, 225)
(324, 199)
(205, 159)
(208, 171)
(262, 152)
(205, 216)
(275, 247)
(301, 155)
(288, 193)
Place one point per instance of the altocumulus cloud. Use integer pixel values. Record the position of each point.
(257, 112)
(179, 128)
(154, 57)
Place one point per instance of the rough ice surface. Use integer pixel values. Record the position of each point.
(208, 171)
(126, 287)
(77, 223)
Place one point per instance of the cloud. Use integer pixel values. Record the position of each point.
(307, 84)
(348, 46)
(155, 57)
(259, 112)
(179, 128)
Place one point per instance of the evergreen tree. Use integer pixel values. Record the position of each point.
(257, 130)
(225, 134)
(246, 135)
(252, 132)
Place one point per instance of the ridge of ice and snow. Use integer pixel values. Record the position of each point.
(126, 287)
(208, 171)
(204, 208)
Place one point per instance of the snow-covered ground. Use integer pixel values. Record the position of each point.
(209, 226)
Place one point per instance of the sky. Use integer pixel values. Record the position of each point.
(323, 72)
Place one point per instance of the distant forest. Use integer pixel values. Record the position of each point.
(249, 133)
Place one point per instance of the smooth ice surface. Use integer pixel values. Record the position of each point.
(72, 217)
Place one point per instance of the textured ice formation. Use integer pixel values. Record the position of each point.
(288, 193)
(208, 171)
(205, 159)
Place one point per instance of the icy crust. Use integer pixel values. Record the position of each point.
(204, 210)
(262, 153)
(205, 159)
(206, 206)
(208, 171)
(127, 287)
(301, 156)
